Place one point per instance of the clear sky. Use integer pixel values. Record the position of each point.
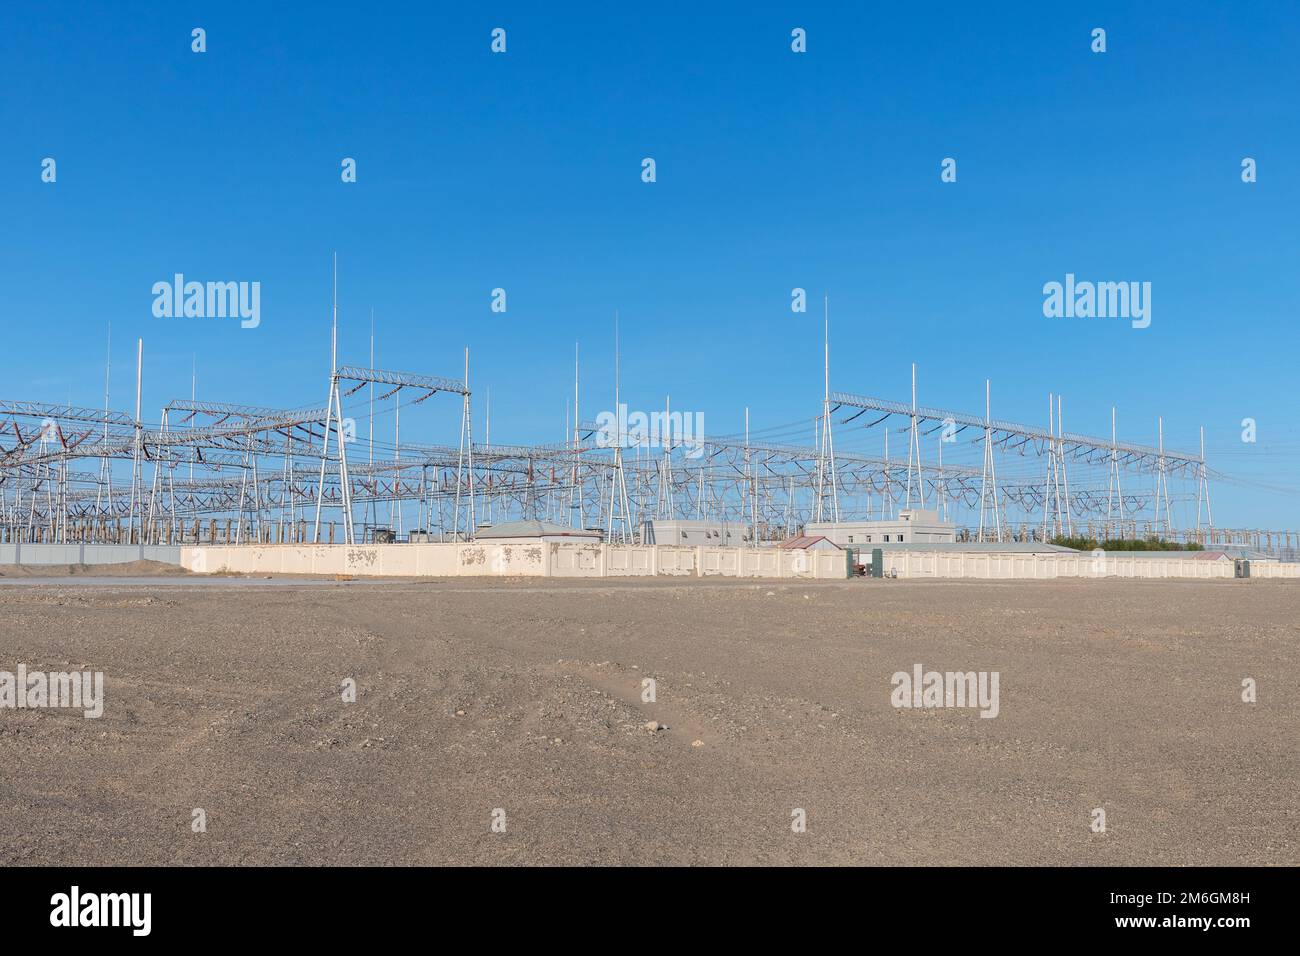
(774, 170)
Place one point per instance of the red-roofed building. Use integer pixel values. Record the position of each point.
(809, 542)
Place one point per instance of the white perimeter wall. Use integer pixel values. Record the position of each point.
(572, 560)
(513, 559)
(987, 565)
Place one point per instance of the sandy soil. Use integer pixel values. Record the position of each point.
(124, 569)
(526, 697)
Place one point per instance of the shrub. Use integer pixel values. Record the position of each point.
(1153, 543)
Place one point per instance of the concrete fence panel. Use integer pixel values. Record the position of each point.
(564, 559)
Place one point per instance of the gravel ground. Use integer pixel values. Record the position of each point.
(126, 569)
(527, 697)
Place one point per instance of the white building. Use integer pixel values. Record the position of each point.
(530, 532)
(692, 534)
(913, 526)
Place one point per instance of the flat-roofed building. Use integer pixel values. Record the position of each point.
(693, 533)
(514, 532)
(912, 526)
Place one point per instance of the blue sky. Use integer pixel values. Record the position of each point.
(774, 170)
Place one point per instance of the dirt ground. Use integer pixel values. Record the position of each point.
(122, 570)
(526, 698)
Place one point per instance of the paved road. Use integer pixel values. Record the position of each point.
(165, 582)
